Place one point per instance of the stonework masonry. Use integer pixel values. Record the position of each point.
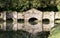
(32, 21)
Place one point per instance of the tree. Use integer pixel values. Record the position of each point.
(23, 5)
(19, 5)
(35, 3)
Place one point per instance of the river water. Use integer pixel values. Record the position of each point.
(21, 34)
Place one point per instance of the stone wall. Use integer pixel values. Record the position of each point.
(32, 21)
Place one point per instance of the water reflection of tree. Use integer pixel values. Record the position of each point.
(21, 34)
(9, 26)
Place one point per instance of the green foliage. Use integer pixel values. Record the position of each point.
(19, 5)
(35, 3)
(2, 3)
(23, 5)
(58, 4)
(55, 32)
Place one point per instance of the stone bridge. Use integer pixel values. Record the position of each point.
(32, 21)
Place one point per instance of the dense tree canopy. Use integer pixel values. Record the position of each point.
(23, 5)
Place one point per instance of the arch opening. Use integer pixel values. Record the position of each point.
(20, 20)
(45, 21)
(33, 20)
(57, 21)
(9, 20)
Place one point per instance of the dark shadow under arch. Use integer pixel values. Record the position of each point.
(32, 21)
(20, 20)
(45, 21)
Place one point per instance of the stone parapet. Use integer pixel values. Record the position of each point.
(32, 21)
